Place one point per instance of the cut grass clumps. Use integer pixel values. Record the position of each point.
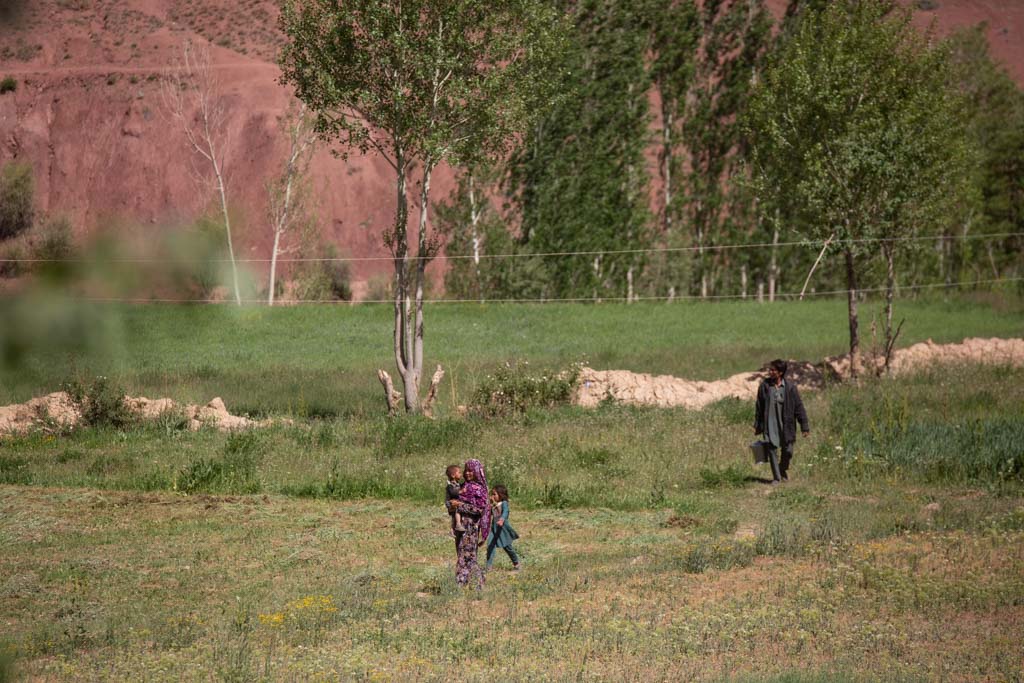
(8, 84)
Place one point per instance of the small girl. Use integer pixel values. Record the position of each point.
(502, 533)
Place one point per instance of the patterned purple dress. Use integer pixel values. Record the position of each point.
(476, 515)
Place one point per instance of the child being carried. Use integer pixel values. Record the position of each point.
(451, 492)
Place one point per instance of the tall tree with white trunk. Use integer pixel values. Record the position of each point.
(420, 82)
(194, 98)
(287, 192)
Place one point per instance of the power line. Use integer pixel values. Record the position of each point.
(552, 254)
(530, 300)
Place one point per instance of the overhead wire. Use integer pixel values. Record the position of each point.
(552, 300)
(555, 254)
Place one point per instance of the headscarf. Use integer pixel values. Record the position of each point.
(475, 492)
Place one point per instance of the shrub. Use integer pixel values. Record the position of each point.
(15, 470)
(52, 244)
(11, 255)
(512, 389)
(324, 280)
(233, 472)
(8, 85)
(17, 191)
(101, 403)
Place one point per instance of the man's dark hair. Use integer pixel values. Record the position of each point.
(780, 366)
(501, 491)
(448, 471)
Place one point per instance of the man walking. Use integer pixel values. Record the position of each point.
(776, 413)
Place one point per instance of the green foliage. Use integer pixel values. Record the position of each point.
(512, 389)
(854, 126)
(234, 471)
(579, 179)
(995, 111)
(417, 70)
(101, 403)
(324, 280)
(716, 206)
(856, 133)
(15, 470)
(17, 193)
(477, 235)
(8, 84)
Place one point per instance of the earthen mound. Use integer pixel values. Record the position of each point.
(920, 356)
(666, 391)
(57, 411)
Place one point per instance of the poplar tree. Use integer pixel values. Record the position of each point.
(419, 82)
(579, 181)
(856, 135)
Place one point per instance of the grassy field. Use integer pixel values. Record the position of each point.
(322, 360)
(317, 550)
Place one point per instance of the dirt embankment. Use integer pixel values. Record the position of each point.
(667, 391)
(58, 411)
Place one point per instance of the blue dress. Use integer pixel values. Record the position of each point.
(503, 535)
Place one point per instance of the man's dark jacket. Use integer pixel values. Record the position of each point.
(792, 410)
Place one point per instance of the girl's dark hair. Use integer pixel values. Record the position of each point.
(501, 491)
(780, 366)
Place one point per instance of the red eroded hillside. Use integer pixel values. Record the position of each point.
(88, 115)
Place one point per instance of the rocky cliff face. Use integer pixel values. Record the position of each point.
(89, 116)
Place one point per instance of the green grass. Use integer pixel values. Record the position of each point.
(317, 549)
(321, 360)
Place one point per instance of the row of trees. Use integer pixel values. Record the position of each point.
(655, 148)
(844, 127)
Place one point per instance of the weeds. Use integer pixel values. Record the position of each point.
(235, 471)
(101, 403)
(512, 389)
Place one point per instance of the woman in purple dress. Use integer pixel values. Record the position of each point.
(476, 518)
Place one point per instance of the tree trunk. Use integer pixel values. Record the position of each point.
(222, 191)
(391, 396)
(890, 291)
(743, 281)
(428, 402)
(773, 266)
(474, 220)
(400, 249)
(273, 267)
(414, 367)
(666, 166)
(851, 283)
